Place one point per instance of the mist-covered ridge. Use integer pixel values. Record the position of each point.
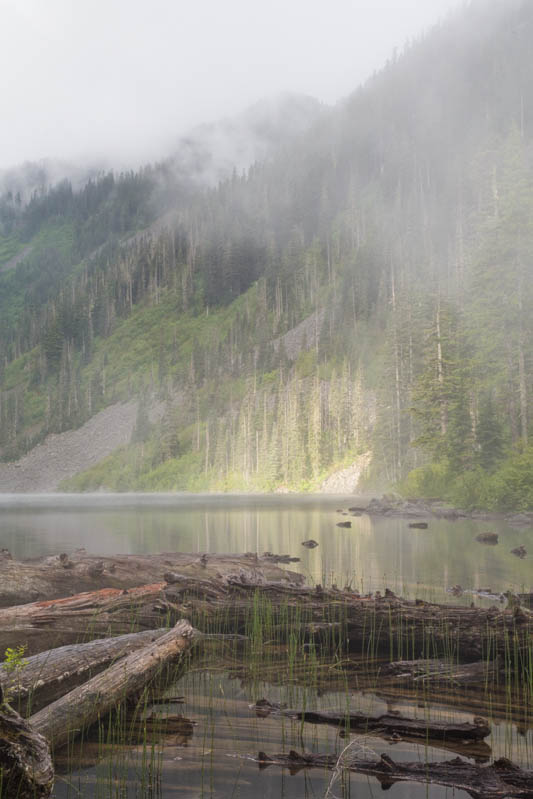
(395, 230)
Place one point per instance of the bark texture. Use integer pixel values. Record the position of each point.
(49, 675)
(26, 770)
(63, 575)
(80, 708)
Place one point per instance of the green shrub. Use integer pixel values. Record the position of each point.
(469, 490)
(426, 481)
(511, 486)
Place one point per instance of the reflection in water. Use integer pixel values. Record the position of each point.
(373, 554)
(206, 751)
(217, 760)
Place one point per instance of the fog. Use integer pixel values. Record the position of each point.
(119, 81)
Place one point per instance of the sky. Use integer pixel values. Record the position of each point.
(120, 80)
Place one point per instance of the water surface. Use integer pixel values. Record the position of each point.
(214, 757)
(373, 554)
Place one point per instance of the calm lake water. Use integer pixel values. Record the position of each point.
(212, 758)
(375, 553)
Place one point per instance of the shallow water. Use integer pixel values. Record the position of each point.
(214, 757)
(217, 759)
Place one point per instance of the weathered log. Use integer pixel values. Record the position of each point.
(502, 779)
(374, 626)
(441, 671)
(49, 675)
(111, 611)
(26, 770)
(81, 707)
(63, 575)
(83, 617)
(388, 724)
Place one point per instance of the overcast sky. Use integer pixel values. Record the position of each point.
(120, 79)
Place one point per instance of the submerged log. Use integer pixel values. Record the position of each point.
(63, 575)
(77, 710)
(388, 724)
(502, 779)
(49, 675)
(26, 770)
(481, 672)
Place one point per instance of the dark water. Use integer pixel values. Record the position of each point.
(214, 758)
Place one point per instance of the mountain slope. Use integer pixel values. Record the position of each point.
(364, 289)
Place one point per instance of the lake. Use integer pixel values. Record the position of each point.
(212, 755)
(373, 554)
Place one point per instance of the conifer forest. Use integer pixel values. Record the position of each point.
(361, 295)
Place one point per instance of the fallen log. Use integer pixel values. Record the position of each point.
(49, 675)
(26, 770)
(373, 626)
(388, 725)
(441, 671)
(49, 624)
(82, 617)
(63, 575)
(77, 710)
(502, 779)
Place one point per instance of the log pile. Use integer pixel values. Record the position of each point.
(374, 626)
(136, 607)
(25, 763)
(68, 688)
(82, 706)
(63, 575)
(50, 674)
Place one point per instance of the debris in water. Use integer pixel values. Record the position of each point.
(487, 538)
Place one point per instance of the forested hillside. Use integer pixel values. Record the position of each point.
(367, 288)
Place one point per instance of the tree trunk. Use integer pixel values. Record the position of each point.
(26, 770)
(84, 705)
(64, 575)
(49, 675)
(440, 377)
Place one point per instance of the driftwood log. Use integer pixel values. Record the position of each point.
(502, 779)
(47, 676)
(81, 707)
(389, 724)
(63, 575)
(26, 770)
